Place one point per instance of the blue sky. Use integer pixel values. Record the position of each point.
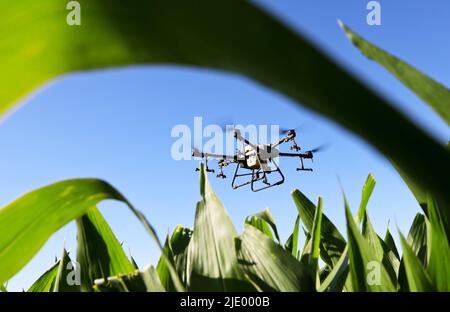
(116, 125)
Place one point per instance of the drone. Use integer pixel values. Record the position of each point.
(253, 161)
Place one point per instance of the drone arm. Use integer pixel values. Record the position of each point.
(307, 155)
(239, 137)
(197, 153)
(279, 142)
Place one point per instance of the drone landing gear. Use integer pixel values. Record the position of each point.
(206, 166)
(257, 175)
(222, 163)
(302, 168)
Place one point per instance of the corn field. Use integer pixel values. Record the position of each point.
(213, 256)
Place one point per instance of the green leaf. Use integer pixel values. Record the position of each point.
(430, 91)
(292, 242)
(55, 279)
(99, 253)
(332, 242)
(176, 249)
(391, 256)
(212, 262)
(369, 185)
(390, 243)
(417, 237)
(179, 243)
(336, 279)
(201, 34)
(135, 265)
(419, 192)
(65, 280)
(29, 221)
(46, 282)
(312, 252)
(262, 221)
(417, 277)
(380, 249)
(146, 281)
(375, 242)
(161, 268)
(268, 265)
(417, 240)
(260, 225)
(316, 230)
(438, 249)
(366, 271)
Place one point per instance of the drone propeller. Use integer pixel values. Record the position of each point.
(319, 148)
(287, 130)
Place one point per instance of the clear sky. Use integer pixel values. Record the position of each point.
(116, 125)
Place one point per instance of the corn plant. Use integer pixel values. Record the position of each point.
(200, 33)
(214, 257)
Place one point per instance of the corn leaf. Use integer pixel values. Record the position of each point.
(366, 271)
(292, 242)
(66, 279)
(135, 265)
(332, 242)
(202, 34)
(417, 238)
(336, 279)
(179, 243)
(416, 275)
(438, 249)
(391, 256)
(436, 95)
(380, 249)
(390, 243)
(260, 225)
(268, 265)
(55, 279)
(311, 255)
(99, 253)
(369, 185)
(315, 238)
(264, 221)
(430, 91)
(176, 249)
(29, 221)
(161, 268)
(212, 262)
(46, 282)
(146, 281)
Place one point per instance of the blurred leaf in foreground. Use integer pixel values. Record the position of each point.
(201, 33)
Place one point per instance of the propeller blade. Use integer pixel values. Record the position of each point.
(319, 148)
(286, 130)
